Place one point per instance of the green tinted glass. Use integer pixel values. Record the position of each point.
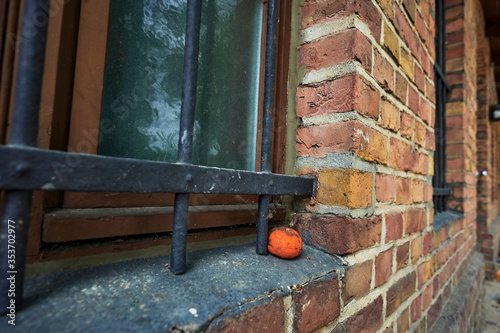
(143, 79)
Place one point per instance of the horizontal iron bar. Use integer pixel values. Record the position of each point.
(442, 191)
(24, 168)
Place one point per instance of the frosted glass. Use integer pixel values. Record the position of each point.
(143, 79)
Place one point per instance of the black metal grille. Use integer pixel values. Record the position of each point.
(441, 192)
(25, 168)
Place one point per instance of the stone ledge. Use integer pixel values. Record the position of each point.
(454, 312)
(142, 296)
(443, 219)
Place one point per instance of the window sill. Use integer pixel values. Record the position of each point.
(141, 295)
(444, 218)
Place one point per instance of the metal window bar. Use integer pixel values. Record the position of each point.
(441, 192)
(25, 168)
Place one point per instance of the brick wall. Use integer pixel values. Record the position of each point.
(366, 104)
(487, 157)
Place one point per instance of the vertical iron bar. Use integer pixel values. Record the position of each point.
(188, 105)
(267, 121)
(24, 132)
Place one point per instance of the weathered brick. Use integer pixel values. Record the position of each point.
(383, 267)
(391, 41)
(404, 321)
(390, 115)
(393, 226)
(427, 297)
(400, 291)
(342, 137)
(416, 248)
(317, 305)
(416, 309)
(426, 112)
(407, 63)
(407, 124)
(317, 12)
(403, 255)
(403, 191)
(417, 190)
(357, 281)
(384, 187)
(413, 100)
(434, 312)
(419, 78)
(267, 316)
(347, 45)
(401, 87)
(345, 187)
(383, 72)
(415, 220)
(347, 93)
(425, 271)
(428, 245)
(388, 8)
(406, 32)
(419, 133)
(369, 319)
(340, 234)
(402, 156)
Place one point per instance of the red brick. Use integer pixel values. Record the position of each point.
(419, 133)
(400, 291)
(405, 32)
(383, 72)
(369, 319)
(384, 187)
(403, 191)
(335, 49)
(347, 93)
(426, 112)
(434, 312)
(419, 78)
(340, 234)
(365, 142)
(317, 12)
(403, 255)
(268, 316)
(402, 156)
(393, 226)
(415, 220)
(383, 267)
(401, 87)
(357, 281)
(413, 99)
(428, 246)
(416, 309)
(427, 297)
(317, 305)
(407, 123)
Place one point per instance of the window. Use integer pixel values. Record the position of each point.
(441, 192)
(122, 81)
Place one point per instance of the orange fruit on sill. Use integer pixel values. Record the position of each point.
(284, 242)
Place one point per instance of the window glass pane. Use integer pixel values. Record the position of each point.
(143, 79)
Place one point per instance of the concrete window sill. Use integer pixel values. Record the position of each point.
(143, 296)
(444, 218)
